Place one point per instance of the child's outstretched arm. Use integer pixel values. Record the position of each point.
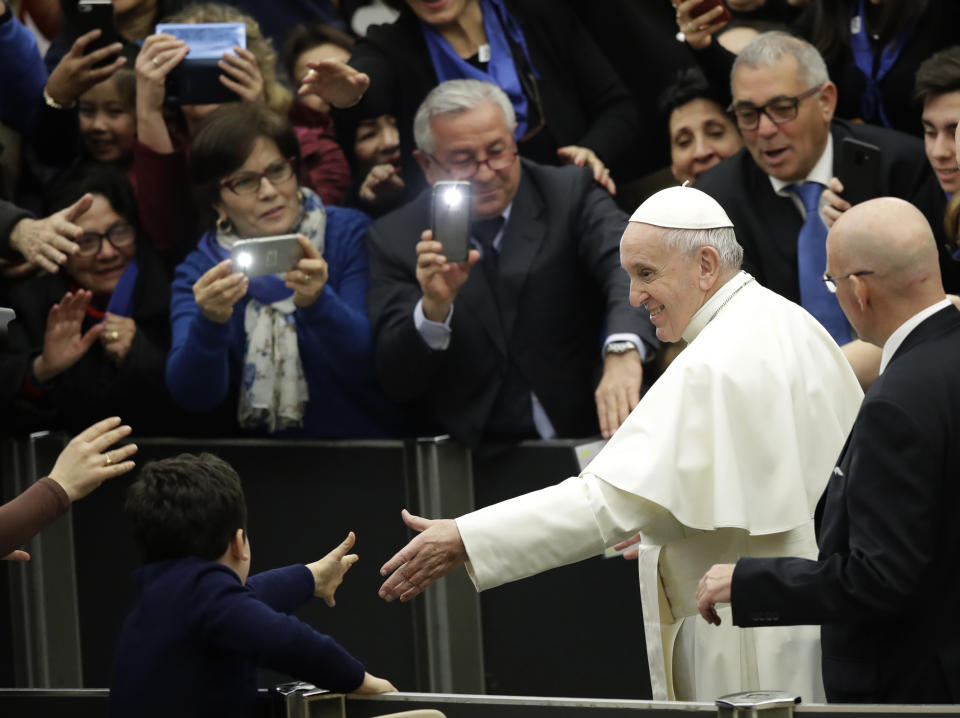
(328, 572)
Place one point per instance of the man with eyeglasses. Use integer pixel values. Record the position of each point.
(776, 189)
(509, 344)
(886, 582)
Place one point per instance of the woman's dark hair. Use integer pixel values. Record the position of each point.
(688, 85)
(225, 141)
(190, 505)
(306, 37)
(95, 178)
(831, 23)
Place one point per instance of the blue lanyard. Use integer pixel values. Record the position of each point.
(871, 106)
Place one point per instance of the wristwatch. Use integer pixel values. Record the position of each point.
(619, 347)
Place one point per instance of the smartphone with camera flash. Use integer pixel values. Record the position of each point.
(97, 15)
(859, 170)
(706, 6)
(266, 255)
(450, 220)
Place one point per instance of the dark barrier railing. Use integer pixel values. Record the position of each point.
(575, 631)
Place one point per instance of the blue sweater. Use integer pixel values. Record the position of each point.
(24, 74)
(336, 344)
(193, 642)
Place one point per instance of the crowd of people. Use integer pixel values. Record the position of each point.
(118, 239)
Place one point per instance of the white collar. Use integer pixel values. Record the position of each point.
(896, 339)
(709, 309)
(822, 172)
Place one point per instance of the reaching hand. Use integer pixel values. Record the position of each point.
(64, 342)
(372, 684)
(834, 205)
(632, 553)
(85, 463)
(431, 555)
(382, 186)
(336, 82)
(76, 73)
(117, 336)
(310, 276)
(585, 157)
(243, 74)
(714, 588)
(439, 279)
(47, 242)
(618, 391)
(698, 31)
(158, 56)
(218, 290)
(328, 572)
(17, 555)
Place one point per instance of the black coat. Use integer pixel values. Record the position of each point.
(886, 583)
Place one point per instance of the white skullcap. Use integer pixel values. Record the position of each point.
(682, 208)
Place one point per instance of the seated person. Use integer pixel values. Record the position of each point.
(201, 628)
(93, 337)
(324, 166)
(701, 132)
(286, 354)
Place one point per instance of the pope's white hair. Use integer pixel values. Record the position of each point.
(722, 239)
(455, 96)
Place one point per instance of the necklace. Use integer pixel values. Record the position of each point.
(725, 301)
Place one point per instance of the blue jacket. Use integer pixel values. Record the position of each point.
(336, 344)
(192, 644)
(26, 77)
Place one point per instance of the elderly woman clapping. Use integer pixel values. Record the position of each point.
(292, 353)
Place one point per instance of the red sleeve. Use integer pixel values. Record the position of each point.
(324, 167)
(162, 185)
(31, 511)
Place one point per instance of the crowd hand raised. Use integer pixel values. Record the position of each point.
(432, 554)
(631, 553)
(336, 82)
(309, 277)
(218, 290)
(47, 242)
(76, 73)
(64, 342)
(833, 204)
(158, 56)
(371, 684)
(87, 461)
(439, 279)
(618, 391)
(714, 588)
(585, 157)
(382, 185)
(698, 31)
(242, 74)
(328, 572)
(117, 336)
(17, 555)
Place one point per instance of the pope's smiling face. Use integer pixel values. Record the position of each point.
(664, 280)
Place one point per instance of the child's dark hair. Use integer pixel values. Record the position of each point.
(189, 505)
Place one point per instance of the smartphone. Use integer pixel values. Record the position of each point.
(706, 6)
(859, 170)
(450, 218)
(7, 315)
(196, 80)
(266, 255)
(97, 15)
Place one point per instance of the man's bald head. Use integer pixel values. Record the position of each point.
(889, 243)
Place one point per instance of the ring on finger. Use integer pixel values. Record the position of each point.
(107, 460)
(692, 27)
(113, 336)
(156, 62)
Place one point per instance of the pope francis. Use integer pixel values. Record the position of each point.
(725, 456)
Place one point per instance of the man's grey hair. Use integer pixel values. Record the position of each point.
(455, 96)
(768, 48)
(722, 239)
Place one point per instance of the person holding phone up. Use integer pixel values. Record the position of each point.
(289, 354)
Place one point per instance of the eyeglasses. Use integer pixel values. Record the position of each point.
(780, 110)
(831, 282)
(467, 169)
(249, 182)
(119, 235)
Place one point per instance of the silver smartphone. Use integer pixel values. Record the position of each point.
(266, 255)
(450, 219)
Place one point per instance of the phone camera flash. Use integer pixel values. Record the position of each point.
(244, 260)
(452, 197)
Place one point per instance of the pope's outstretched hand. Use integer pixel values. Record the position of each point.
(433, 553)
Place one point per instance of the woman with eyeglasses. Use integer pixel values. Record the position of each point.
(93, 337)
(288, 354)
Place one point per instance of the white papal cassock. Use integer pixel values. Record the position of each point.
(725, 456)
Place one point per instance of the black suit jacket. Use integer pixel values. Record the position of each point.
(886, 585)
(562, 291)
(767, 224)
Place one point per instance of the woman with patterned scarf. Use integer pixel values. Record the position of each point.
(292, 353)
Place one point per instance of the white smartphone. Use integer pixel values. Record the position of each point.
(266, 255)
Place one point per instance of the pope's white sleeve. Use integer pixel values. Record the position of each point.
(552, 527)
